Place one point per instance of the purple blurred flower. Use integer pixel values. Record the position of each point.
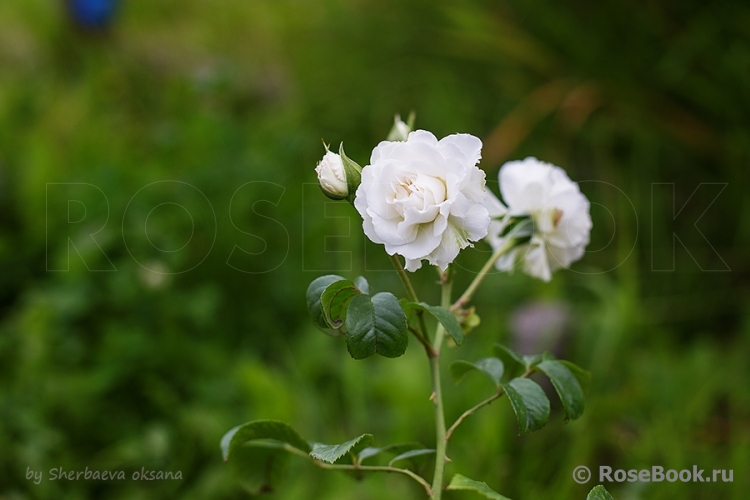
(539, 326)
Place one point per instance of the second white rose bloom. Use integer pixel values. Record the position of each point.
(423, 198)
(558, 209)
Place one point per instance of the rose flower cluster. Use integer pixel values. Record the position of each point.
(426, 199)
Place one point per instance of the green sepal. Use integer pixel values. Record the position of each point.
(411, 119)
(353, 174)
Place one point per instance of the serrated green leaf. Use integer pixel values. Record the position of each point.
(259, 430)
(332, 452)
(314, 294)
(362, 284)
(459, 482)
(599, 493)
(567, 387)
(444, 316)
(529, 403)
(335, 300)
(411, 454)
(492, 367)
(376, 324)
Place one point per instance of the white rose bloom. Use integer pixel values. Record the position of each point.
(423, 198)
(559, 210)
(332, 176)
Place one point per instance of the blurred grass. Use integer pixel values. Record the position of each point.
(126, 369)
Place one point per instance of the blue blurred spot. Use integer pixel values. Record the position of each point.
(93, 13)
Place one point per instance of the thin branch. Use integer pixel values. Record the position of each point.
(477, 407)
(471, 411)
(431, 352)
(365, 468)
(377, 468)
(404, 278)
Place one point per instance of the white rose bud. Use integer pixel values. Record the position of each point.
(400, 130)
(332, 176)
(558, 209)
(424, 198)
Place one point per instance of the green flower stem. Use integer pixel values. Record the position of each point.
(404, 278)
(445, 301)
(421, 333)
(466, 297)
(476, 407)
(441, 441)
(364, 468)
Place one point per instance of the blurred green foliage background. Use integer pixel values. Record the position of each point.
(108, 363)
